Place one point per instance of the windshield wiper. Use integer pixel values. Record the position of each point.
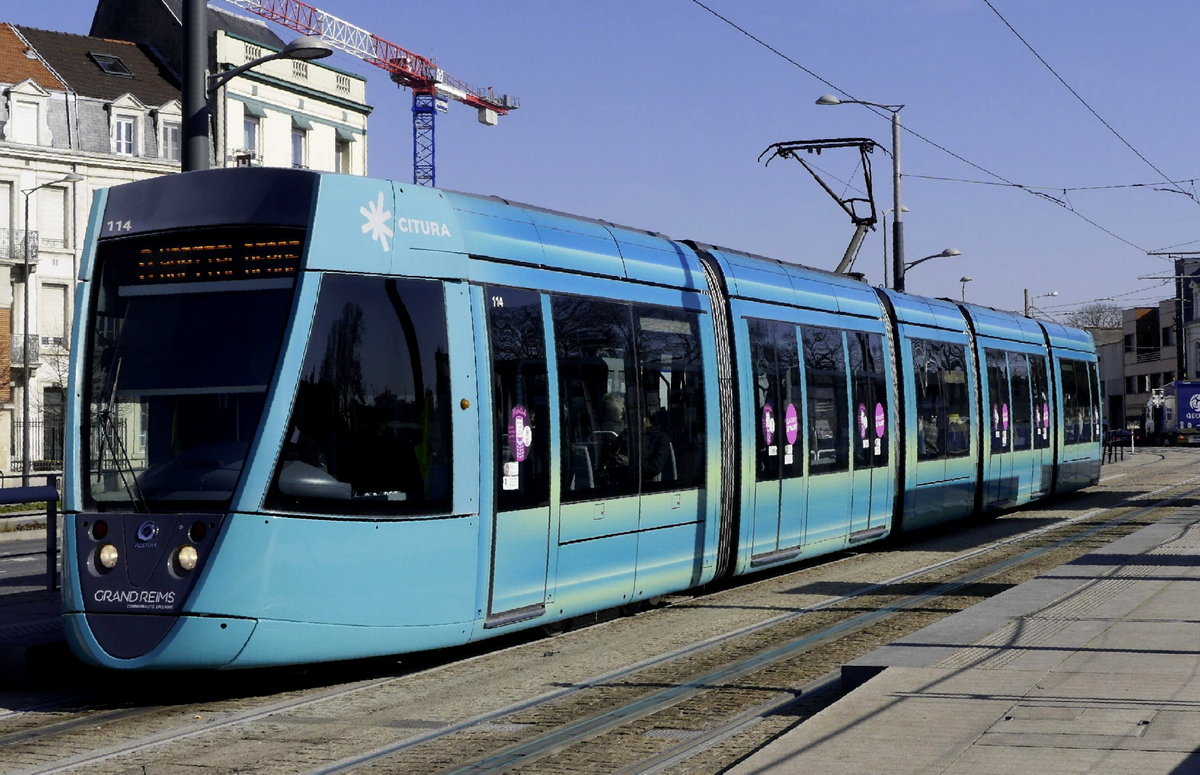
(110, 437)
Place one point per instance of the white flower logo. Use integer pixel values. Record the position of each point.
(377, 221)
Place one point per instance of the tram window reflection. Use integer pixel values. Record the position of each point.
(828, 401)
(943, 400)
(370, 426)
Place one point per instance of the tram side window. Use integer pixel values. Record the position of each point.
(520, 398)
(1079, 404)
(1022, 416)
(597, 396)
(1040, 389)
(943, 403)
(370, 425)
(671, 400)
(999, 405)
(777, 400)
(828, 401)
(870, 400)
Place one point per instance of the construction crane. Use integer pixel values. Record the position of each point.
(431, 87)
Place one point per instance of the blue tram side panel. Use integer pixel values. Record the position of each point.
(402, 418)
(1017, 408)
(938, 377)
(816, 409)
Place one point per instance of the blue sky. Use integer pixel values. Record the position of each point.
(652, 114)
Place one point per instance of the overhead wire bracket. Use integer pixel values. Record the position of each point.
(791, 149)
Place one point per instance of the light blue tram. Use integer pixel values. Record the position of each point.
(319, 417)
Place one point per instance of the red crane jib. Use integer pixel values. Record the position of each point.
(407, 68)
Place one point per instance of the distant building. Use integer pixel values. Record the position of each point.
(103, 109)
(107, 107)
(284, 113)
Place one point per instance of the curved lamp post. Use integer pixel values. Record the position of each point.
(70, 177)
(947, 253)
(305, 47)
(897, 206)
(1029, 299)
(964, 280)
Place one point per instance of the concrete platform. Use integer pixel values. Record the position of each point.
(1093, 667)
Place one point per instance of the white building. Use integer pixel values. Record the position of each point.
(99, 109)
(288, 113)
(109, 112)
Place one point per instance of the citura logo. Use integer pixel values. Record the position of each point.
(1194, 402)
(378, 223)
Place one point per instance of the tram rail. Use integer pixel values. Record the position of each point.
(551, 730)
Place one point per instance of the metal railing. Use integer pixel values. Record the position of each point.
(45, 445)
(19, 343)
(49, 494)
(12, 245)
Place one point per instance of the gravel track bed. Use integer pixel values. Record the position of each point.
(328, 714)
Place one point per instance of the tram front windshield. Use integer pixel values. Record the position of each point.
(184, 338)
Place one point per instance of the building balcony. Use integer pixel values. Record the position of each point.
(34, 343)
(12, 246)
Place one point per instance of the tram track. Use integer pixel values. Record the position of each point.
(522, 755)
(551, 731)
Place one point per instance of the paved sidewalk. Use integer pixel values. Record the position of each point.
(1093, 667)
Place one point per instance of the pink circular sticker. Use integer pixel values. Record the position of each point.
(1046, 415)
(520, 434)
(768, 423)
(1004, 416)
(880, 421)
(791, 423)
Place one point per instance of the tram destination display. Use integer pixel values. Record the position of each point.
(223, 257)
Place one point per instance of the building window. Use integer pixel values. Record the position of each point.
(24, 122)
(170, 140)
(342, 155)
(300, 69)
(252, 52)
(125, 135)
(299, 146)
(250, 131)
(111, 65)
(343, 83)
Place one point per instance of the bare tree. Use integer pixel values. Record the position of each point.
(1095, 315)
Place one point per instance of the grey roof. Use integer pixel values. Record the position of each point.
(72, 58)
(157, 23)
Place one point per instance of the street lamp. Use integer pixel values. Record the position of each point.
(70, 177)
(964, 281)
(947, 253)
(304, 48)
(897, 205)
(1028, 299)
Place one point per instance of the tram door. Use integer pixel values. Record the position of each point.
(1043, 459)
(521, 458)
(1025, 469)
(999, 489)
(779, 495)
(872, 503)
(827, 418)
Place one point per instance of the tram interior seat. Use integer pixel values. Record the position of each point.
(582, 476)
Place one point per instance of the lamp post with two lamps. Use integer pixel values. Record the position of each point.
(27, 270)
(897, 206)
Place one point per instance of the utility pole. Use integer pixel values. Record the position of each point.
(195, 91)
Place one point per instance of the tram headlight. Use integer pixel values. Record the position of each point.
(108, 556)
(186, 557)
